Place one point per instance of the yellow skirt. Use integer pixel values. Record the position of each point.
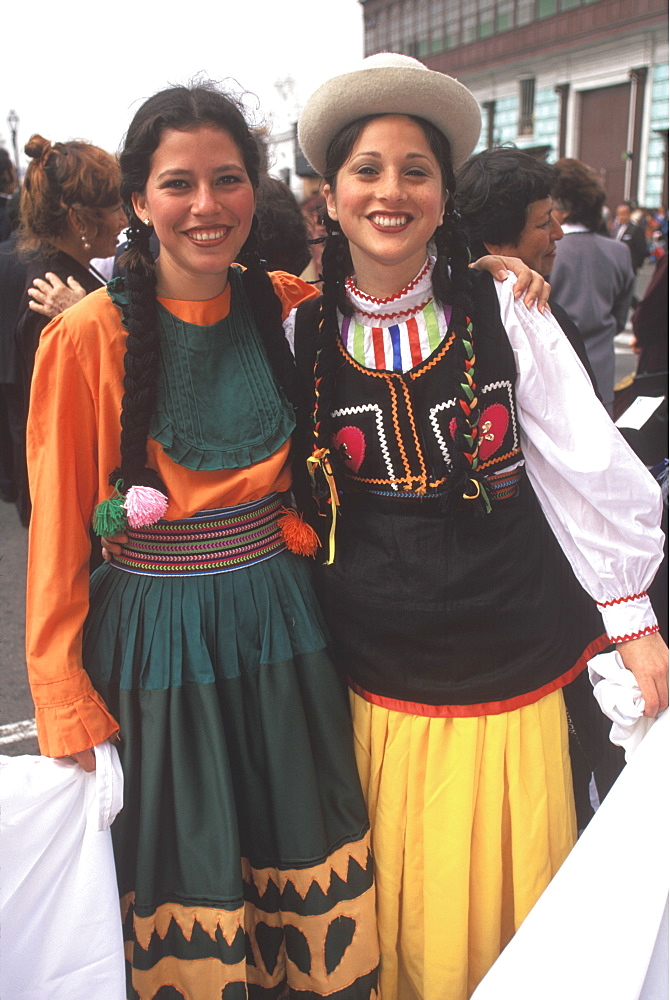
(471, 818)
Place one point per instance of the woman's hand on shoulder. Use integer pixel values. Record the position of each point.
(647, 658)
(49, 296)
(536, 289)
(112, 546)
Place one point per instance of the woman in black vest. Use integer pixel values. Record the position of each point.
(475, 489)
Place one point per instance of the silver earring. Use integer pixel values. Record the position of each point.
(87, 245)
(147, 222)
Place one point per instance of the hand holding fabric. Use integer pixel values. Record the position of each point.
(647, 658)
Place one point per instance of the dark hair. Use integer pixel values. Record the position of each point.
(577, 190)
(66, 175)
(451, 278)
(494, 191)
(181, 108)
(7, 172)
(282, 233)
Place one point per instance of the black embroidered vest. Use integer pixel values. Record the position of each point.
(442, 607)
(397, 430)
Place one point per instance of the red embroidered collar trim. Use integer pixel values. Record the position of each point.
(352, 290)
(397, 316)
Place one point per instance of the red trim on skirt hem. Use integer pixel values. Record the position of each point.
(487, 707)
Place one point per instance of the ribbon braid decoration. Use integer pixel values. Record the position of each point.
(320, 458)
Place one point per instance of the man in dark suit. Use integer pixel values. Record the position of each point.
(593, 275)
(7, 187)
(12, 281)
(628, 232)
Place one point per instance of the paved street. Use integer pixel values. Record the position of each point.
(15, 702)
(16, 709)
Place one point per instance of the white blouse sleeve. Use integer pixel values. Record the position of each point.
(289, 329)
(601, 502)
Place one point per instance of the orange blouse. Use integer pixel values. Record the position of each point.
(73, 443)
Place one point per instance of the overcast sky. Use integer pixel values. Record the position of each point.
(80, 69)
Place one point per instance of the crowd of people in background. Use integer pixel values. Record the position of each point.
(231, 424)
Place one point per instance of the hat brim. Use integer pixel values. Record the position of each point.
(398, 90)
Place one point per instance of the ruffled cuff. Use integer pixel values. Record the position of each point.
(67, 727)
(628, 617)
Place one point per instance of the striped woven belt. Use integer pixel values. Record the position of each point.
(504, 485)
(212, 541)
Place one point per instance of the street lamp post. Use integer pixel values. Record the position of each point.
(13, 122)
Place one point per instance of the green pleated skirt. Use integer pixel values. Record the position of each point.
(242, 849)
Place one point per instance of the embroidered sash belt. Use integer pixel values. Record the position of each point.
(212, 541)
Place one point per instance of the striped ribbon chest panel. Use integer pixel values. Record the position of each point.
(398, 346)
(212, 541)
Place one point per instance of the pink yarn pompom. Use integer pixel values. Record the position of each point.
(144, 505)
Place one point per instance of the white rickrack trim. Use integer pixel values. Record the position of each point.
(451, 403)
(505, 384)
(379, 420)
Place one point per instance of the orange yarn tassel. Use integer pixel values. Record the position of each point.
(299, 536)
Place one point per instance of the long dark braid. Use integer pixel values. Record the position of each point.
(180, 108)
(267, 312)
(336, 267)
(141, 360)
(452, 273)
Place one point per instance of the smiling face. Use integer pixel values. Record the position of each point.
(201, 203)
(389, 199)
(536, 245)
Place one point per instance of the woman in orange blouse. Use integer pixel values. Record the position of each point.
(168, 399)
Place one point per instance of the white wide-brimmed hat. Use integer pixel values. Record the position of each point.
(389, 83)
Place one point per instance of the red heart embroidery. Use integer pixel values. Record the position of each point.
(352, 442)
(493, 425)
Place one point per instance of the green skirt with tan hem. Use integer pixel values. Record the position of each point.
(242, 849)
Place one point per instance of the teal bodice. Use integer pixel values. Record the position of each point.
(218, 405)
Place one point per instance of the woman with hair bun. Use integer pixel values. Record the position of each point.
(473, 485)
(164, 405)
(71, 212)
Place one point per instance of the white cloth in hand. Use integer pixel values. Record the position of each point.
(620, 698)
(59, 903)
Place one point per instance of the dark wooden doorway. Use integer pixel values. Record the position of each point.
(603, 131)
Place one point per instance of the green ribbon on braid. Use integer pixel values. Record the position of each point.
(109, 517)
(471, 412)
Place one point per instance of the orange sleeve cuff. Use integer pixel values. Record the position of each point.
(71, 716)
